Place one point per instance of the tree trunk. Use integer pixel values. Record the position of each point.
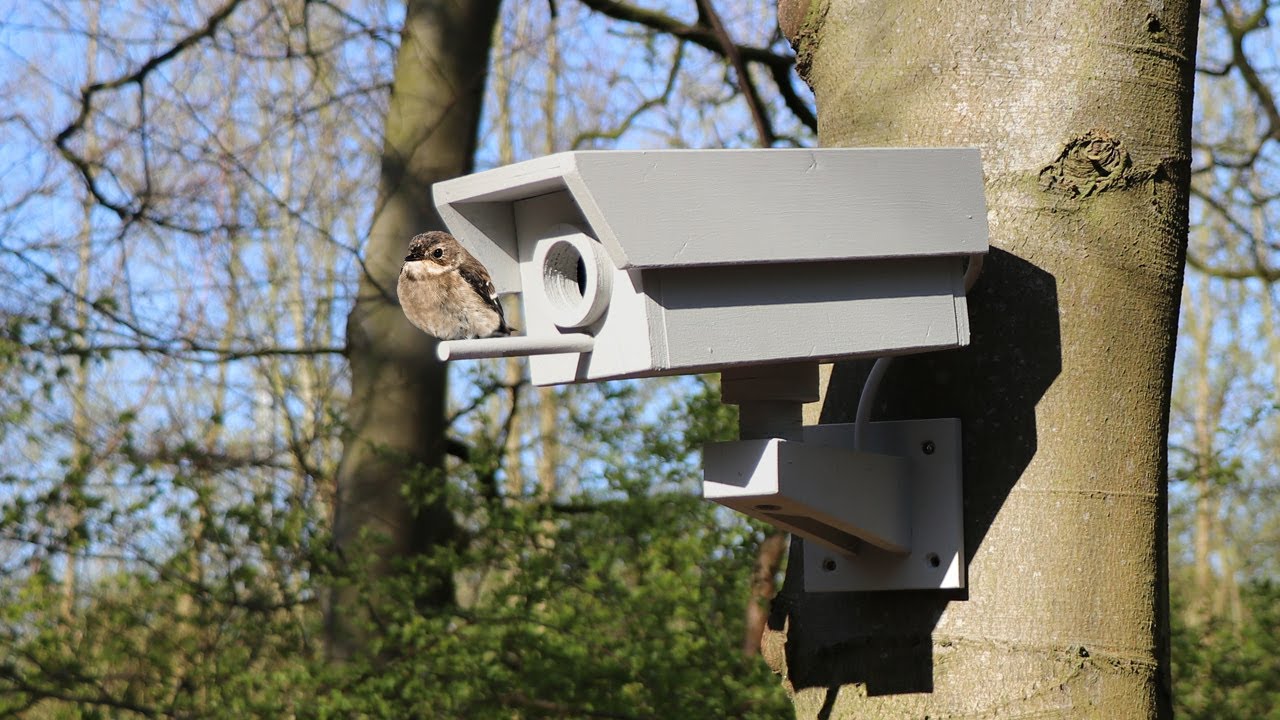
(397, 407)
(1083, 114)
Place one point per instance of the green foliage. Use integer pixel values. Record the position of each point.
(625, 599)
(1225, 670)
(143, 647)
(625, 611)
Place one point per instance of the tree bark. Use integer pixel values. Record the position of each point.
(1083, 114)
(764, 583)
(397, 407)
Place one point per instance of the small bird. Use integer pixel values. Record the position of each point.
(447, 293)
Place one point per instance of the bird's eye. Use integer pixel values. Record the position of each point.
(437, 253)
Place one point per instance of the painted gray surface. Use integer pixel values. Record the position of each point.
(666, 208)
(694, 207)
(732, 257)
(765, 313)
(829, 495)
(936, 507)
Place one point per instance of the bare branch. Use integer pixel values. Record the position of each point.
(136, 77)
(661, 99)
(780, 66)
(759, 115)
(1222, 210)
(1238, 28)
(185, 349)
(1267, 274)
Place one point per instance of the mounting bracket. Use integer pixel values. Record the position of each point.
(888, 516)
(935, 561)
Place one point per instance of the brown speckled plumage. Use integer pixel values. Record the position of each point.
(447, 293)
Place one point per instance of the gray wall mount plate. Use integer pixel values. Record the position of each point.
(931, 448)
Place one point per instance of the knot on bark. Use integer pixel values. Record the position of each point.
(1091, 163)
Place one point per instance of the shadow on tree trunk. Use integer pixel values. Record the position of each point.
(883, 640)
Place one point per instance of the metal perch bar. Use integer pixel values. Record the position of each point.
(513, 346)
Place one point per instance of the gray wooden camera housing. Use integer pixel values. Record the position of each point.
(683, 261)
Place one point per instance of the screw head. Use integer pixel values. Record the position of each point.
(927, 447)
(829, 564)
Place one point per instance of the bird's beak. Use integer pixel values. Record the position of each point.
(413, 256)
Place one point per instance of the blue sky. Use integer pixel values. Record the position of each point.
(301, 223)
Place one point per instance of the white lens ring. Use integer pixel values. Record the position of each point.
(576, 276)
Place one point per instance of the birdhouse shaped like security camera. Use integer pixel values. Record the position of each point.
(642, 263)
(760, 264)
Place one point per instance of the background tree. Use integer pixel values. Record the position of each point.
(396, 411)
(1225, 431)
